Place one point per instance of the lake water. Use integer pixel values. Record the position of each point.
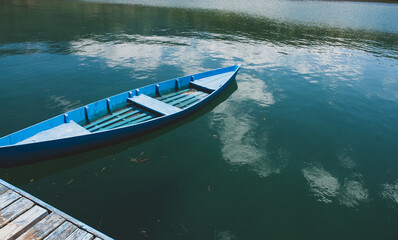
(303, 146)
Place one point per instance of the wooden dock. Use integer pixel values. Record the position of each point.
(23, 216)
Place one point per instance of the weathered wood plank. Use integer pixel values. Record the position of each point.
(23, 222)
(88, 236)
(43, 228)
(3, 189)
(62, 232)
(77, 234)
(7, 198)
(14, 210)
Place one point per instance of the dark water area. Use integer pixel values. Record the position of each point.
(304, 145)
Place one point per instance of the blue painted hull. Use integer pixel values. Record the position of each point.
(17, 154)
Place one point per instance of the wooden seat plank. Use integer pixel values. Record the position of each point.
(62, 232)
(14, 210)
(43, 227)
(7, 198)
(154, 104)
(23, 222)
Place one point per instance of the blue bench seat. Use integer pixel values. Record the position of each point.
(154, 104)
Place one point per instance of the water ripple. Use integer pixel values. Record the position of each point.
(345, 159)
(324, 13)
(63, 103)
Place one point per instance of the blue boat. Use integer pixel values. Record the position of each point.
(114, 119)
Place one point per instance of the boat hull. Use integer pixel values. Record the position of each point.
(14, 155)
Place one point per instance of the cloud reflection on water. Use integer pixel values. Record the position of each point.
(352, 192)
(323, 185)
(241, 142)
(224, 235)
(327, 188)
(390, 192)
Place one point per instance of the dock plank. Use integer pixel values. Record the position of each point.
(14, 210)
(3, 189)
(23, 222)
(43, 228)
(7, 198)
(77, 234)
(88, 236)
(62, 232)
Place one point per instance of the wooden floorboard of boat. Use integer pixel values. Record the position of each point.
(108, 117)
(113, 120)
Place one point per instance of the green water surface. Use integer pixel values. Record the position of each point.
(304, 145)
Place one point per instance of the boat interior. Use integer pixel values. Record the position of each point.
(142, 107)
